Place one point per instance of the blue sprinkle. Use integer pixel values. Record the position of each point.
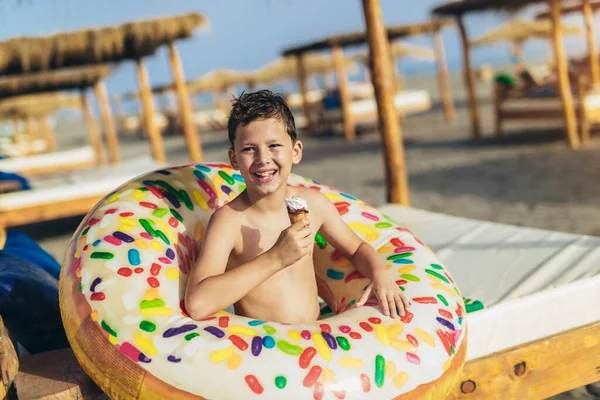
(268, 342)
(226, 189)
(203, 168)
(402, 261)
(238, 178)
(143, 358)
(123, 236)
(347, 196)
(174, 359)
(256, 322)
(96, 243)
(446, 323)
(134, 257)
(163, 172)
(200, 175)
(170, 253)
(148, 182)
(171, 198)
(213, 330)
(460, 320)
(94, 284)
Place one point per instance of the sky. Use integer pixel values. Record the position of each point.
(247, 34)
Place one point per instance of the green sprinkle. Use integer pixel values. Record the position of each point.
(456, 290)
(146, 225)
(164, 238)
(321, 242)
(390, 220)
(436, 266)
(437, 275)
(147, 326)
(343, 342)
(143, 189)
(102, 254)
(186, 200)
(379, 370)
(383, 225)
(443, 299)
(227, 178)
(410, 277)
(333, 274)
(474, 306)
(397, 256)
(269, 329)
(170, 189)
(108, 329)
(176, 215)
(79, 288)
(85, 231)
(159, 213)
(152, 303)
(402, 288)
(241, 188)
(289, 348)
(280, 381)
(190, 336)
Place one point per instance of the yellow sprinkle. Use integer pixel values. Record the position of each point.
(334, 197)
(382, 335)
(198, 232)
(242, 330)
(172, 273)
(349, 362)
(138, 194)
(218, 180)
(371, 237)
(145, 345)
(151, 294)
(406, 270)
(403, 345)
(141, 244)
(389, 266)
(342, 262)
(439, 286)
(77, 254)
(78, 272)
(321, 346)
(424, 336)
(328, 376)
(294, 335)
(167, 231)
(126, 228)
(390, 369)
(94, 315)
(447, 364)
(151, 312)
(200, 200)
(156, 246)
(400, 379)
(385, 249)
(234, 361)
(113, 198)
(394, 330)
(112, 339)
(127, 221)
(221, 355)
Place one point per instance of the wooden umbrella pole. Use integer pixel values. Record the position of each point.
(95, 138)
(156, 142)
(470, 82)
(443, 80)
(49, 133)
(189, 130)
(563, 77)
(345, 98)
(591, 39)
(303, 91)
(108, 122)
(383, 83)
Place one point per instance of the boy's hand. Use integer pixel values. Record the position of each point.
(387, 292)
(294, 243)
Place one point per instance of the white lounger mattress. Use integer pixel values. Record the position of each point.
(533, 283)
(76, 185)
(67, 157)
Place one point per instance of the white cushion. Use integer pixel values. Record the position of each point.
(66, 157)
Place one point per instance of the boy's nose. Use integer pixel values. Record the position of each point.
(264, 157)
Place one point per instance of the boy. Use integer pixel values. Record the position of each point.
(250, 255)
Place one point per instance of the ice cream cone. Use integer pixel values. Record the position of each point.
(297, 209)
(297, 216)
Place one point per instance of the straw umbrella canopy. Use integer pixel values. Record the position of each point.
(520, 30)
(459, 8)
(36, 106)
(287, 67)
(218, 80)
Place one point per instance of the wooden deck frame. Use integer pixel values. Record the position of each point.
(442, 75)
(469, 77)
(108, 122)
(345, 97)
(156, 142)
(92, 128)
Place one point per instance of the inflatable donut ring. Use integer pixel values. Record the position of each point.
(123, 281)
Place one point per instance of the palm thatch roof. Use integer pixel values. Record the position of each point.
(569, 8)
(519, 30)
(400, 50)
(62, 79)
(287, 67)
(37, 106)
(218, 80)
(132, 40)
(357, 38)
(460, 7)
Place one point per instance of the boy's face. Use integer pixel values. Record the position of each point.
(263, 152)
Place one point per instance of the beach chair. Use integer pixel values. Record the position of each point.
(532, 299)
(51, 163)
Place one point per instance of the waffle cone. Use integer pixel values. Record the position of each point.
(297, 216)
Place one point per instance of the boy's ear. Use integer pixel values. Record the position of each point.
(297, 152)
(232, 159)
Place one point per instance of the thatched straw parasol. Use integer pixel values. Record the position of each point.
(37, 105)
(63, 79)
(287, 67)
(520, 30)
(401, 49)
(218, 80)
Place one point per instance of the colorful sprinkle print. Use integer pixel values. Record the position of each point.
(133, 253)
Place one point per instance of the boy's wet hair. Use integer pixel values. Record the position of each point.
(261, 104)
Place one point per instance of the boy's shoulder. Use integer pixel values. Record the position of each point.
(314, 197)
(227, 214)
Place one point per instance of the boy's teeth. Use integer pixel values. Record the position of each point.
(264, 174)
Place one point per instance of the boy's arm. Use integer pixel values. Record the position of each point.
(210, 288)
(364, 257)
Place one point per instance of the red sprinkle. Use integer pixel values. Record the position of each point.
(155, 269)
(336, 255)
(354, 275)
(401, 282)
(325, 328)
(344, 328)
(173, 222)
(164, 260)
(444, 313)
(306, 357)
(305, 334)
(126, 214)
(138, 270)
(396, 242)
(251, 380)
(146, 235)
(374, 320)
(86, 247)
(148, 205)
(338, 392)
(312, 376)
(413, 340)
(408, 316)
(93, 221)
(112, 240)
(97, 296)
(111, 211)
(413, 358)
(153, 282)
(365, 382)
(318, 391)
(155, 191)
(367, 327)
(370, 216)
(238, 342)
(355, 335)
(124, 271)
(224, 321)
(425, 300)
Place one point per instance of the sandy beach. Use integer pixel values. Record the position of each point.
(531, 178)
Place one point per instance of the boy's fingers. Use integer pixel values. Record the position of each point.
(384, 304)
(405, 302)
(363, 299)
(399, 299)
(392, 305)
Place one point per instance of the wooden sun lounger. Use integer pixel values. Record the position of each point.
(50, 163)
(538, 334)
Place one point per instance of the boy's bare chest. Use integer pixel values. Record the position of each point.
(256, 238)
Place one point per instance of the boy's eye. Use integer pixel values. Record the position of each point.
(274, 145)
(247, 149)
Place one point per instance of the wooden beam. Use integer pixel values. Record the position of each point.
(383, 84)
(108, 122)
(303, 91)
(156, 142)
(93, 132)
(535, 370)
(563, 78)
(470, 82)
(49, 133)
(345, 98)
(443, 80)
(189, 130)
(591, 41)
